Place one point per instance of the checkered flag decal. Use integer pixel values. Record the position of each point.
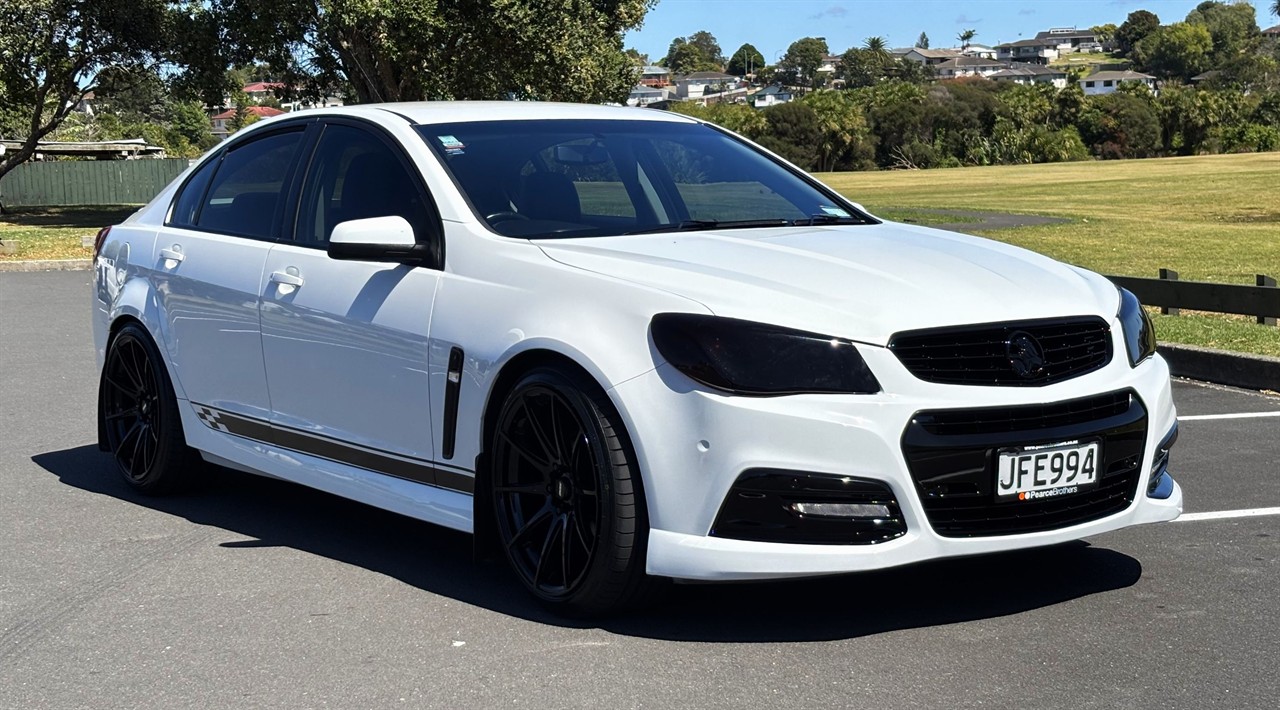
(211, 419)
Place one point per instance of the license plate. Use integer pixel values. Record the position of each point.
(1048, 471)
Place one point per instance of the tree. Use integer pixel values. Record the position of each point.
(636, 57)
(845, 140)
(1106, 34)
(1136, 27)
(1180, 50)
(53, 53)
(1233, 27)
(922, 42)
(794, 133)
(697, 52)
(1120, 125)
(706, 42)
(966, 37)
(568, 50)
(747, 60)
(802, 60)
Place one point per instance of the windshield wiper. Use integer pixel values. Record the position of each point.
(694, 225)
(826, 219)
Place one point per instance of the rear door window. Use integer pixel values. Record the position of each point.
(247, 190)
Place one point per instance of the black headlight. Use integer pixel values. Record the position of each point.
(756, 359)
(1139, 332)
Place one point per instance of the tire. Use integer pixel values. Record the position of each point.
(568, 505)
(139, 415)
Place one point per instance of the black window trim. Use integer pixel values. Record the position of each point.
(435, 224)
(303, 125)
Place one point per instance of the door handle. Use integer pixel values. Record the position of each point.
(172, 254)
(288, 277)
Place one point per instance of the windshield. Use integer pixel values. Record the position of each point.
(581, 178)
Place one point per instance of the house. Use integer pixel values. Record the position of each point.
(1106, 82)
(655, 76)
(260, 91)
(222, 122)
(770, 96)
(85, 104)
(1028, 50)
(1272, 33)
(1027, 73)
(693, 86)
(642, 95)
(1070, 39)
(957, 67)
(830, 63)
(930, 56)
(978, 50)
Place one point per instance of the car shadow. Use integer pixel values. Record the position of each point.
(280, 514)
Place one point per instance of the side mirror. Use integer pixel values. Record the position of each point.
(377, 239)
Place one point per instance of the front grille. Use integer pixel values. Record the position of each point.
(980, 355)
(952, 457)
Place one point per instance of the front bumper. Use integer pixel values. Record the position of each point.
(694, 444)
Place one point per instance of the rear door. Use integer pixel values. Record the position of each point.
(345, 342)
(208, 269)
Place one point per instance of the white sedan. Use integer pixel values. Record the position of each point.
(618, 345)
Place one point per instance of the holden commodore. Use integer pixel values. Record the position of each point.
(618, 345)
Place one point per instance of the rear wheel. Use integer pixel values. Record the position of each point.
(139, 413)
(567, 500)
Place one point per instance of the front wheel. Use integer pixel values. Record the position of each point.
(567, 500)
(139, 413)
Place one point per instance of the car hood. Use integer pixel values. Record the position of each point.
(863, 282)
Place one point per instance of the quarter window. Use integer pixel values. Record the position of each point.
(248, 187)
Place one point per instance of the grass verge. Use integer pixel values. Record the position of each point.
(56, 232)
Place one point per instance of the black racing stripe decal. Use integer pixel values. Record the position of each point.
(325, 448)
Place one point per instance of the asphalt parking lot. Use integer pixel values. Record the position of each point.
(256, 593)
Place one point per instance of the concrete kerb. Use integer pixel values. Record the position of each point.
(47, 265)
(1255, 372)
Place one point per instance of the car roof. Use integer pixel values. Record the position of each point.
(432, 112)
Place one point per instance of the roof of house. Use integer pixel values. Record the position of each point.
(773, 90)
(1207, 75)
(1034, 42)
(1272, 30)
(653, 69)
(934, 53)
(259, 111)
(256, 86)
(1067, 33)
(1125, 75)
(699, 75)
(642, 89)
(1023, 69)
(969, 63)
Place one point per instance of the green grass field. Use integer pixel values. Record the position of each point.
(55, 232)
(1210, 218)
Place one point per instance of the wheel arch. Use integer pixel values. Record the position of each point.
(509, 373)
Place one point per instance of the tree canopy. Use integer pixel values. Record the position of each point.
(569, 50)
(747, 60)
(697, 52)
(1136, 27)
(802, 60)
(1181, 50)
(53, 51)
(1233, 27)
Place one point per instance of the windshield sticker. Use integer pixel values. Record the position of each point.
(452, 146)
(834, 211)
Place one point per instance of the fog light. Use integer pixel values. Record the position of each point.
(841, 510)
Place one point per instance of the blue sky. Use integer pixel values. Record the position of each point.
(772, 25)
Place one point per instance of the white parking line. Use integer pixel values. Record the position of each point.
(1224, 514)
(1241, 415)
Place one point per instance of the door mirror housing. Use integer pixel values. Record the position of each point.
(377, 239)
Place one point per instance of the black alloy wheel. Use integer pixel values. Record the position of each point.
(567, 501)
(140, 416)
